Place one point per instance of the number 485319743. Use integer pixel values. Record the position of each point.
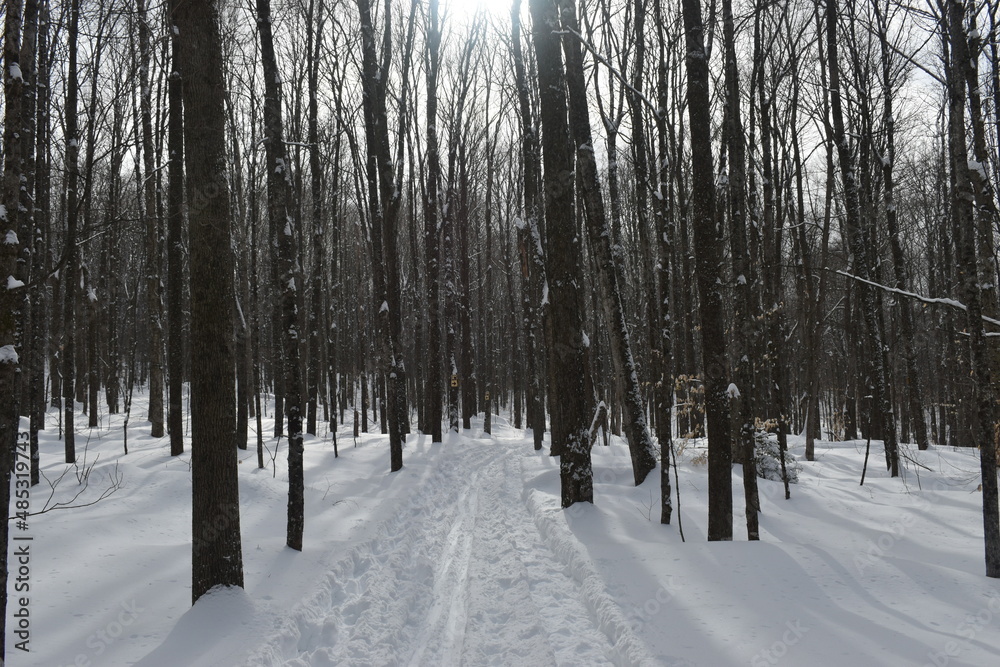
(23, 481)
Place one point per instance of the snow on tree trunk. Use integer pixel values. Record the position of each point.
(609, 266)
(964, 223)
(10, 291)
(564, 259)
(281, 209)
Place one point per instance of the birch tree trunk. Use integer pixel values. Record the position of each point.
(665, 235)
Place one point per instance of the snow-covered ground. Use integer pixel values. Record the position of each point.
(465, 558)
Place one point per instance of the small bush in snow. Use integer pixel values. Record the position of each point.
(767, 457)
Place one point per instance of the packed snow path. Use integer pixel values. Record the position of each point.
(465, 557)
(461, 576)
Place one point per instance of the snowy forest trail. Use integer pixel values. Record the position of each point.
(465, 557)
(460, 576)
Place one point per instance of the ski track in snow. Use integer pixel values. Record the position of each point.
(467, 573)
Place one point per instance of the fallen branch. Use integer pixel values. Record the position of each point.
(115, 479)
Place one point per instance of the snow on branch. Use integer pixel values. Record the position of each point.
(919, 297)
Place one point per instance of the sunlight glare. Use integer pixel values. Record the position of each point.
(468, 8)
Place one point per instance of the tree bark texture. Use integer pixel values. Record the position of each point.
(608, 259)
(567, 353)
(708, 269)
(217, 554)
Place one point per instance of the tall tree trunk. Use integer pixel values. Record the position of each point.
(385, 202)
(964, 222)
(745, 312)
(665, 237)
(468, 370)
(34, 58)
(314, 44)
(530, 247)
(281, 210)
(175, 252)
(217, 554)
(914, 405)
(564, 259)
(432, 232)
(609, 265)
(859, 248)
(10, 297)
(151, 180)
(771, 245)
(640, 167)
(708, 253)
(68, 276)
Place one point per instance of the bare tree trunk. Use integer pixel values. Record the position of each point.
(564, 259)
(432, 232)
(609, 265)
(641, 190)
(35, 69)
(281, 210)
(745, 308)
(708, 267)
(10, 367)
(217, 554)
(385, 202)
(68, 276)
(175, 252)
(964, 222)
(857, 244)
(530, 247)
(913, 402)
(151, 179)
(314, 44)
(771, 260)
(466, 365)
(664, 390)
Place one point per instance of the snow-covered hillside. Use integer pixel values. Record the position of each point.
(465, 558)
